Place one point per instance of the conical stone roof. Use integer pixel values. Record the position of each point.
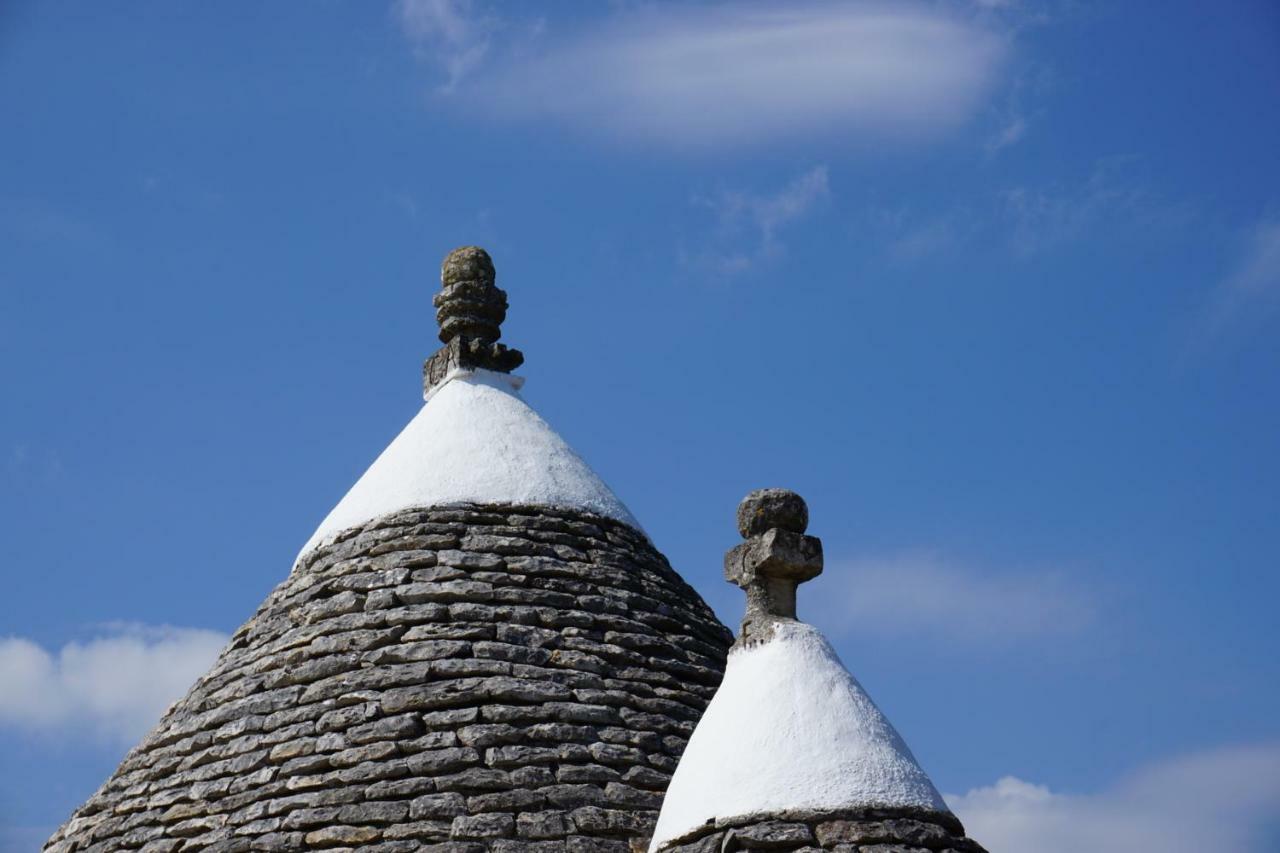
(792, 753)
(481, 651)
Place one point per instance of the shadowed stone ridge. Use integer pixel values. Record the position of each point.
(470, 309)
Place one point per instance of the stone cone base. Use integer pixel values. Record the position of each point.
(845, 831)
(464, 678)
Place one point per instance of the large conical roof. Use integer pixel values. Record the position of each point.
(477, 650)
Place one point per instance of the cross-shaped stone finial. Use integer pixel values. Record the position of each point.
(470, 309)
(775, 558)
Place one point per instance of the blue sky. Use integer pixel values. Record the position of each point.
(994, 285)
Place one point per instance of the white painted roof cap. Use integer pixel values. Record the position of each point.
(476, 441)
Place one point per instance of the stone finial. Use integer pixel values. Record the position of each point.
(775, 558)
(470, 309)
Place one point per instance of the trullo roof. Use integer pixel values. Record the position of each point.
(478, 650)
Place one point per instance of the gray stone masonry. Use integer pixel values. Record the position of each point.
(455, 679)
(846, 831)
(775, 558)
(470, 309)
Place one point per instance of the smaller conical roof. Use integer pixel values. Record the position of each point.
(790, 731)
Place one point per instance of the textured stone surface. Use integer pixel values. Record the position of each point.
(458, 679)
(862, 831)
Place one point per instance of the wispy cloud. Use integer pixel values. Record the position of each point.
(1039, 218)
(43, 223)
(34, 465)
(1225, 799)
(115, 685)
(748, 224)
(1010, 132)
(923, 593)
(1034, 218)
(916, 241)
(1028, 84)
(455, 34)
(1251, 292)
(729, 74)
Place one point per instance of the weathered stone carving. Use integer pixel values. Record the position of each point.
(470, 309)
(774, 560)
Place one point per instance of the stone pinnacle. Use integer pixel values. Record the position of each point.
(469, 303)
(470, 309)
(776, 557)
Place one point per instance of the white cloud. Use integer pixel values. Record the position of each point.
(1225, 799)
(729, 74)
(1252, 290)
(923, 593)
(115, 685)
(748, 223)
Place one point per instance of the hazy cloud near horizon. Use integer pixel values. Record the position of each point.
(114, 686)
(1221, 799)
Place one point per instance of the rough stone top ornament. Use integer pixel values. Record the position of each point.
(765, 509)
(470, 309)
(776, 557)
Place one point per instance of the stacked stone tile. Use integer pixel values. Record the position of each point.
(460, 678)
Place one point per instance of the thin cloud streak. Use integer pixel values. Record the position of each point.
(1028, 220)
(1224, 799)
(453, 33)
(1042, 218)
(748, 223)
(115, 685)
(1009, 134)
(735, 74)
(926, 594)
(1252, 290)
